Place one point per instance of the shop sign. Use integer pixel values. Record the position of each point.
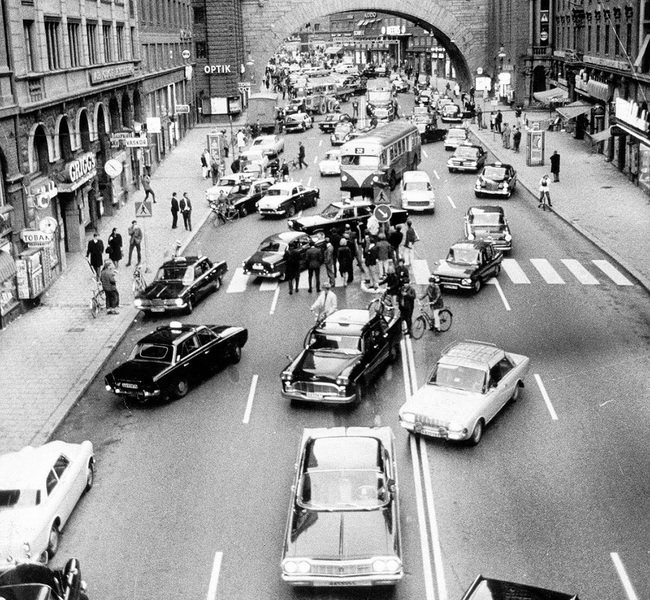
(393, 30)
(606, 62)
(628, 112)
(217, 69)
(110, 73)
(154, 125)
(35, 238)
(182, 109)
(599, 90)
(370, 15)
(81, 167)
(43, 193)
(48, 225)
(136, 142)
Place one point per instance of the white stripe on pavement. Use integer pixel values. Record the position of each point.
(545, 269)
(514, 271)
(275, 300)
(421, 271)
(214, 577)
(268, 285)
(238, 281)
(547, 400)
(580, 273)
(249, 403)
(616, 276)
(622, 574)
(436, 174)
(493, 281)
(425, 153)
(451, 201)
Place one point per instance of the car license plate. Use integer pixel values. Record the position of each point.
(451, 286)
(258, 267)
(313, 395)
(157, 309)
(130, 386)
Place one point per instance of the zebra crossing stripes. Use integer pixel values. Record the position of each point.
(616, 276)
(421, 271)
(548, 273)
(514, 271)
(238, 282)
(579, 272)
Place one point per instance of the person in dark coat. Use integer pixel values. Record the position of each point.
(95, 253)
(314, 262)
(301, 155)
(107, 278)
(335, 238)
(292, 268)
(345, 262)
(555, 166)
(236, 165)
(516, 139)
(174, 208)
(407, 304)
(498, 119)
(114, 247)
(395, 237)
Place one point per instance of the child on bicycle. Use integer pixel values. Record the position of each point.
(435, 300)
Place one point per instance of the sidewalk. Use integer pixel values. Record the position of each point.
(50, 355)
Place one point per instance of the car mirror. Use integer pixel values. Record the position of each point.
(391, 486)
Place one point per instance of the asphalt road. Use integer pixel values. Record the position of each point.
(191, 497)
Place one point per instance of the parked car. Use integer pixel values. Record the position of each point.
(246, 202)
(298, 122)
(423, 96)
(165, 362)
(271, 145)
(343, 527)
(341, 133)
(286, 198)
(467, 157)
(237, 183)
(470, 384)
(342, 355)
(469, 264)
(180, 283)
(331, 120)
(32, 581)
(39, 489)
(417, 191)
(488, 224)
(269, 259)
(496, 589)
(296, 105)
(455, 137)
(331, 164)
(451, 113)
(346, 68)
(496, 179)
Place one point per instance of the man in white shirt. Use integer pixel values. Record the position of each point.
(326, 303)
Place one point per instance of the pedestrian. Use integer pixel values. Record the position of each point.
(384, 255)
(373, 226)
(544, 195)
(241, 141)
(328, 261)
(135, 241)
(402, 272)
(292, 260)
(146, 185)
(355, 108)
(516, 140)
(345, 259)
(407, 304)
(326, 303)
(457, 90)
(314, 257)
(498, 119)
(410, 237)
(479, 118)
(226, 146)
(505, 136)
(395, 237)
(284, 170)
(493, 119)
(392, 283)
(174, 209)
(114, 247)
(555, 167)
(301, 155)
(433, 294)
(370, 259)
(214, 170)
(95, 253)
(109, 285)
(205, 155)
(186, 209)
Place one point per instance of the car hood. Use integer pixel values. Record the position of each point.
(138, 371)
(270, 258)
(322, 365)
(163, 290)
(454, 270)
(417, 196)
(488, 232)
(445, 404)
(312, 221)
(341, 535)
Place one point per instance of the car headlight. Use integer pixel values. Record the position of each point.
(344, 177)
(137, 303)
(178, 302)
(382, 565)
(392, 564)
(466, 281)
(375, 178)
(408, 417)
(332, 137)
(436, 278)
(292, 566)
(342, 380)
(455, 426)
(501, 185)
(507, 237)
(26, 547)
(286, 375)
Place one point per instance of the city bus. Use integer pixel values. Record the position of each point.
(380, 157)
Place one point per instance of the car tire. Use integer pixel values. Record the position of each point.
(53, 541)
(497, 270)
(90, 476)
(190, 307)
(181, 387)
(358, 391)
(235, 354)
(476, 288)
(243, 212)
(516, 392)
(477, 434)
(291, 210)
(217, 283)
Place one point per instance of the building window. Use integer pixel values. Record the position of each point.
(316, 26)
(589, 38)
(91, 32)
(108, 46)
(201, 50)
(606, 45)
(53, 40)
(28, 34)
(73, 40)
(628, 40)
(119, 31)
(134, 53)
(199, 14)
(597, 39)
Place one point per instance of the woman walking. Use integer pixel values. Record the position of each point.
(544, 196)
(114, 247)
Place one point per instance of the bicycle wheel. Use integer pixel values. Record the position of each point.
(94, 306)
(235, 216)
(376, 307)
(419, 327)
(445, 319)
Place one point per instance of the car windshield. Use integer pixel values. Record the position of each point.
(416, 186)
(273, 246)
(174, 272)
(421, 118)
(226, 182)
(156, 352)
(342, 128)
(342, 489)
(17, 499)
(360, 160)
(494, 173)
(459, 378)
(465, 152)
(450, 109)
(330, 212)
(278, 192)
(332, 156)
(346, 343)
(487, 219)
(464, 255)
(263, 142)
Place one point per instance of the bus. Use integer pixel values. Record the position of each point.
(380, 157)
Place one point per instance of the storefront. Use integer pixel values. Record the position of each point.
(8, 285)
(633, 129)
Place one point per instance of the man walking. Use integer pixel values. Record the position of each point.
(345, 259)
(384, 255)
(407, 304)
(516, 139)
(505, 136)
(328, 261)
(292, 272)
(479, 118)
(498, 119)
(555, 166)
(109, 285)
(186, 208)
(395, 237)
(241, 141)
(314, 261)
(175, 209)
(410, 237)
(326, 303)
(355, 108)
(301, 155)
(135, 241)
(95, 253)
(146, 185)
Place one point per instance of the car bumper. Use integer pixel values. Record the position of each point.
(352, 581)
(419, 206)
(161, 309)
(430, 431)
(456, 167)
(272, 212)
(263, 273)
(140, 394)
(319, 397)
(455, 285)
(328, 172)
(290, 128)
(486, 192)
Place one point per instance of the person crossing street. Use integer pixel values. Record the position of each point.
(301, 155)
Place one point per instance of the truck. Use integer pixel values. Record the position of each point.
(262, 108)
(379, 100)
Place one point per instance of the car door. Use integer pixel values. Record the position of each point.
(66, 495)
(201, 279)
(189, 363)
(376, 350)
(299, 197)
(208, 349)
(497, 391)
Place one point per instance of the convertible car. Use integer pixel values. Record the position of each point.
(497, 589)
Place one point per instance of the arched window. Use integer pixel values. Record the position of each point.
(84, 131)
(40, 155)
(64, 141)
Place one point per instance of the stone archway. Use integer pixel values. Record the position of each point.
(461, 27)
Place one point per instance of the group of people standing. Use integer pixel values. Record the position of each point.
(184, 206)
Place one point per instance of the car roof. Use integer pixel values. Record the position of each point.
(466, 145)
(168, 334)
(284, 236)
(347, 321)
(416, 176)
(485, 209)
(471, 352)
(458, 129)
(298, 114)
(179, 261)
(27, 468)
(478, 244)
(285, 185)
(499, 164)
(382, 434)
(343, 203)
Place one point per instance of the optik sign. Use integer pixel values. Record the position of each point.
(217, 69)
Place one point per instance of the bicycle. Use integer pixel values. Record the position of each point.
(98, 298)
(425, 321)
(382, 305)
(223, 214)
(139, 284)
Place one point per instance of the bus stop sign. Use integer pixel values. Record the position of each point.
(383, 213)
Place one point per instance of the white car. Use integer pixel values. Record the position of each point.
(229, 184)
(455, 137)
(298, 122)
(254, 160)
(417, 191)
(287, 198)
(346, 69)
(39, 488)
(331, 164)
(272, 145)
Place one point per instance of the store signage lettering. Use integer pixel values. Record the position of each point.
(606, 62)
(218, 69)
(629, 112)
(34, 237)
(109, 73)
(370, 15)
(77, 169)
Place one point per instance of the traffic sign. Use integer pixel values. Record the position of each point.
(381, 196)
(144, 209)
(383, 213)
(185, 54)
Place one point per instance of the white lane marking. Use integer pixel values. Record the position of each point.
(580, 273)
(421, 271)
(320, 143)
(214, 577)
(451, 202)
(614, 274)
(238, 282)
(315, 159)
(495, 283)
(547, 400)
(549, 274)
(433, 524)
(425, 153)
(268, 285)
(436, 174)
(622, 574)
(514, 271)
(249, 403)
(275, 300)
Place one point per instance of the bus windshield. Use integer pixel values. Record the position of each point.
(360, 160)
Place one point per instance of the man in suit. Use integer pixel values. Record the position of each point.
(175, 209)
(95, 253)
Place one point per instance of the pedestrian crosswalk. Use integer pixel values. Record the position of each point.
(564, 271)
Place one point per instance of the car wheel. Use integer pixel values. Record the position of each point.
(181, 387)
(497, 270)
(242, 211)
(451, 170)
(393, 353)
(53, 540)
(291, 210)
(190, 306)
(217, 283)
(477, 286)
(517, 391)
(477, 434)
(304, 126)
(358, 391)
(235, 354)
(90, 476)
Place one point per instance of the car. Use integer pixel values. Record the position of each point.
(39, 489)
(237, 183)
(296, 105)
(271, 145)
(455, 137)
(400, 85)
(339, 214)
(496, 589)
(343, 526)
(432, 133)
(180, 283)
(346, 68)
(33, 581)
(423, 96)
(246, 201)
(300, 121)
(286, 198)
(369, 71)
(417, 191)
(342, 355)
(269, 259)
(341, 133)
(451, 113)
(165, 362)
(467, 157)
(331, 120)
(331, 164)
(469, 264)
(442, 102)
(254, 160)
(318, 71)
(489, 224)
(470, 384)
(496, 179)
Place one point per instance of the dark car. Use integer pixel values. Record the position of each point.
(469, 264)
(35, 581)
(488, 224)
(467, 157)
(342, 355)
(297, 105)
(331, 120)
(343, 527)
(496, 179)
(451, 113)
(341, 133)
(165, 362)
(339, 214)
(432, 133)
(270, 261)
(369, 71)
(246, 201)
(180, 283)
(497, 589)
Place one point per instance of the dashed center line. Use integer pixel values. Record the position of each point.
(451, 202)
(547, 400)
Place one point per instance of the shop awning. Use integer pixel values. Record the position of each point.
(601, 136)
(548, 96)
(7, 266)
(333, 50)
(573, 110)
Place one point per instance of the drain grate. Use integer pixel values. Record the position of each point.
(606, 187)
(76, 329)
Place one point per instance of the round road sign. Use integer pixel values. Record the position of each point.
(185, 54)
(383, 213)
